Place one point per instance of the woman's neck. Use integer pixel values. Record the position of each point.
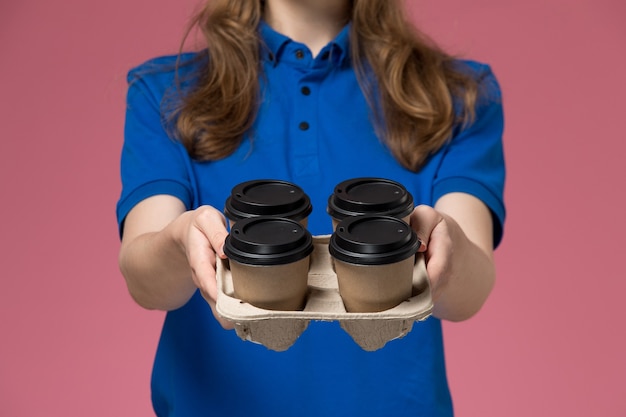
(311, 22)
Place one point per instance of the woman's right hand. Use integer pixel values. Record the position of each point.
(203, 242)
(167, 253)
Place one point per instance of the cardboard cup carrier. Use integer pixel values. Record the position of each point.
(278, 277)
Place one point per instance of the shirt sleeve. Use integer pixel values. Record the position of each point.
(473, 161)
(151, 162)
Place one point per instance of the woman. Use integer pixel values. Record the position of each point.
(313, 92)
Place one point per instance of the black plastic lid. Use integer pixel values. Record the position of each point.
(361, 196)
(267, 198)
(373, 240)
(267, 240)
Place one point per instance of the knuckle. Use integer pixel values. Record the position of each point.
(210, 215)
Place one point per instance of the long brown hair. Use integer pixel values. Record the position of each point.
(411, 97)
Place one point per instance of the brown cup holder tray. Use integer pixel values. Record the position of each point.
(278, 330)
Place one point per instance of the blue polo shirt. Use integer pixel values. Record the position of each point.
(313, 128)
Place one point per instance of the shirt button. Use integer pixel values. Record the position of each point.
(299, 54)
(305, 90)
(304, 126)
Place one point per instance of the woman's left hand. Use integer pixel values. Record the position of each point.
(457, 242)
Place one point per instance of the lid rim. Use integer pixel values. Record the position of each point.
(341, 203)
(338, 213)
(359, 258)
(246, 248)
(240, 205)
(298, 214)
(393, 247)
(269, 259)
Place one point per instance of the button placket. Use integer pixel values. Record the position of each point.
(305, 143)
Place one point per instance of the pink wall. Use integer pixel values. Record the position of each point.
(551, 339)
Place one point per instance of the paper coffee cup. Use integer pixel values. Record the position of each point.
(373, 259)
(269, 261)
(365, 196)
(267, 197)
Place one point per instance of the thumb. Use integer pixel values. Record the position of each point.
(423, 220)
(217, 239)
(213, 225)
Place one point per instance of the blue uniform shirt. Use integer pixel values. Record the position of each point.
(313, 129)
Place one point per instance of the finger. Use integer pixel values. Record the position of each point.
(202, 262)
(431, 226)
(203, 266)
(226, 324)
(423, 220)
(205, 240)
(212, 223)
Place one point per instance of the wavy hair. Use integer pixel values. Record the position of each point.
(412, 93)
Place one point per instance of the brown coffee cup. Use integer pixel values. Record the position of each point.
(366, 196)
(373, 258)
(269, 261)
(267, 197)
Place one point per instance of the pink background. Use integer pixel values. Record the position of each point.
(551, 339)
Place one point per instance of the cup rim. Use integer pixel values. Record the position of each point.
(267, 240)
(398, 240)
(342, 204)
(239, 205)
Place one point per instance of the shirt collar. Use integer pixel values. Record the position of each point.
(338, 48)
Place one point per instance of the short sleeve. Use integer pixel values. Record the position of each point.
(151, 162)
(473, 161)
